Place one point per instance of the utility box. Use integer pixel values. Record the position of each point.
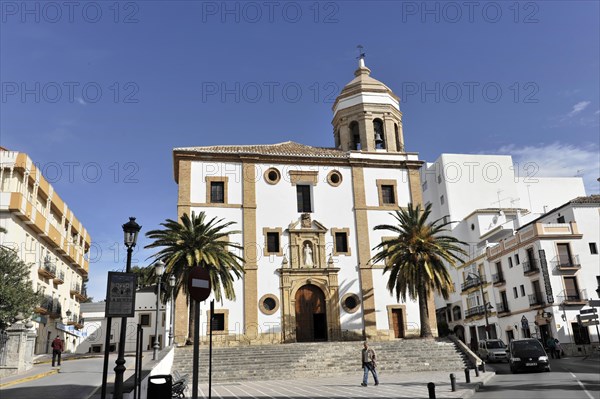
(159, 386)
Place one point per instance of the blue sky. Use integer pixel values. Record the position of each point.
(99, 93)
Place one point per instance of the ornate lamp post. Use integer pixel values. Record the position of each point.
(159, 268)
(130, 232)
(486, 305)
(172, 282)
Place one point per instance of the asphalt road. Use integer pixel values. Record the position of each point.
(570, 378)
(77, 379)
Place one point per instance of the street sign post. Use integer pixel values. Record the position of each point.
(589, 317)
(595, 303)
(199, 288)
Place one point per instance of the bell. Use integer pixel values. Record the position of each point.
(378, 139)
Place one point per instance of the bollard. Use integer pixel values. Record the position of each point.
(483, 367)
(431, 388)
(453, 382)
(467, 375)
(476, 371)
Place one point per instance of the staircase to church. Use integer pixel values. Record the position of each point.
(305, 360)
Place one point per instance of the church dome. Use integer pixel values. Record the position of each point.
(366, 90)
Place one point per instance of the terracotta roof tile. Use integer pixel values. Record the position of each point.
(288, 148)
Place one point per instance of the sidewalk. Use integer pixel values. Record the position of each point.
(394, 386)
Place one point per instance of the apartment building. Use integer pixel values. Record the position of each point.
(488, 199)
(46, 235)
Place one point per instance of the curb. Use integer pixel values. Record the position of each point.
(477, 386)
(30, 378)
(69, 359)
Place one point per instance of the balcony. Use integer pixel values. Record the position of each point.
(472, 282)
(573, 297)
(56, 311)
(76, 321)
(531, 266)
(47, 269)
(46, 305)
(475, 311)
(536, 299)
(78, 292)
(566, 264)
(502, 308)
(498, 279)
(59, 278)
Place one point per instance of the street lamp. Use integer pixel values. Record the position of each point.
(486, 305)
(159, 268)
(172, 282)
(130, 231)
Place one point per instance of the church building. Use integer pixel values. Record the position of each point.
(306, 216)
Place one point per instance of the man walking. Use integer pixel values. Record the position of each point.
(57, 349)
(368, 363)
(551, 347)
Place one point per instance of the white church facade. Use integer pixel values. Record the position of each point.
(306, 217)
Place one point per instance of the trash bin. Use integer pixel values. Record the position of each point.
(159, 386)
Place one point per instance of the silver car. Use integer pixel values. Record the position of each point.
(492, 350)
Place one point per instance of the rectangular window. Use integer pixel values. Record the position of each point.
(145, 320)
(387, 195)
(560, 219)
(564, 254)
(522, 290)
(303, 198)
(510, 263)
(442, 200)
(217, 192)
(341, 242)
(273, 242)
(515, 292)
(571, 289)
(218, 322)
(593, 248)
(517, 259)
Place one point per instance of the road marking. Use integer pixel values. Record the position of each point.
(582, 386)
(30, 378)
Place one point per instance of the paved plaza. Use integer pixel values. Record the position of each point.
(405, 385)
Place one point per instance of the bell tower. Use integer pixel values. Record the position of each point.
(366, 115)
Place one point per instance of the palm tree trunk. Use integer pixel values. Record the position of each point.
(191, 321)
(424, 314)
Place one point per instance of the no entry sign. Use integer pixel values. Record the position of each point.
(199, 284)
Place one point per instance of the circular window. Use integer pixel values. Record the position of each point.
(350, 303)
(334, 178)
(268, 304)
(272, 176)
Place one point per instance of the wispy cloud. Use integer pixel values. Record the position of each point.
(577, 108)
(561, 160)
(576, 117)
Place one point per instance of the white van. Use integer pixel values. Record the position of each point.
(492, 350)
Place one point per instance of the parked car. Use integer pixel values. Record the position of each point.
(492, 350)
(527, 354)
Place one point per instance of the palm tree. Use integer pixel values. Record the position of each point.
(198, 242)
(415, 258)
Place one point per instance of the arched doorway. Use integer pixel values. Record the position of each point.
(311, 316)
(459, 331)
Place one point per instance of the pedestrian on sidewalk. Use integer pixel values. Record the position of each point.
(368, 363)
(551, 347)
(57, 350)
(558, 348)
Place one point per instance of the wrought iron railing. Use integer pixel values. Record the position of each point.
(573, 296)
(536, 299)
(498, 278)
(502, 307)
(472, 282)
(570, 262)
(531, 266)
(474, 311)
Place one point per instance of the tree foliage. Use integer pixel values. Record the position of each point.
(16, 292)
(197, 241)
(415, 258)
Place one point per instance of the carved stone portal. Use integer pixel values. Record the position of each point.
(307, 268)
